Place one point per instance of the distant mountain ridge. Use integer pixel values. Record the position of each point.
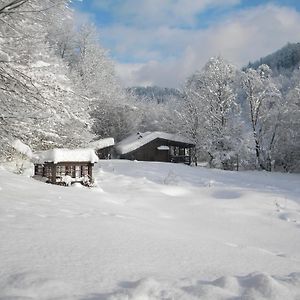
(155, 93)
(282, 61)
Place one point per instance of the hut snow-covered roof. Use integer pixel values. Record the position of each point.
(66, 155)
(102, 143)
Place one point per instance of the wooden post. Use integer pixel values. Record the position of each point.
(53, 169)
(90, 170)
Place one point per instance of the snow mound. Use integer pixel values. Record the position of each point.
(252, 286)
(30, 286)
(22, 148)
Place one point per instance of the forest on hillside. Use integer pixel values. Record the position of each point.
(58, 88)
(284, 61)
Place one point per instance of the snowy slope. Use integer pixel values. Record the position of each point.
(151, 231)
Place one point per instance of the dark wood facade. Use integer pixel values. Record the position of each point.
(105, 153)
(53, 173)
(162, 150)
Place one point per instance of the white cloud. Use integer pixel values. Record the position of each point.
(169, 55)
(130, 74)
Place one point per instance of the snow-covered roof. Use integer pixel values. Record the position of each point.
(140, 139)
(66, 155)
(103, 143)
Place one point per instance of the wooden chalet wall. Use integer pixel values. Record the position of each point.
(105, 153)
(150, 151)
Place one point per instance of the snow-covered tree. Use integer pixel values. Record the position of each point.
(38, 104)
(211, 113)
(287, 150)
(265, 107)
(109, 105)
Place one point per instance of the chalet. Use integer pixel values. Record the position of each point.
(54, 165)
(103, 147)
(156, 146)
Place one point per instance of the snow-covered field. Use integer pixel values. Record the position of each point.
(151, 231)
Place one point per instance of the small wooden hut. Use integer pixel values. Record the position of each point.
(156, 146)
(103, 147)
(53, 165)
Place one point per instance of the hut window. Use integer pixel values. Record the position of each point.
(72, 171)
(69, 170)
(85, 170)
(77, 171)
(39, 170)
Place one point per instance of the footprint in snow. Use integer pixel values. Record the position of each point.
(293, 217)
(113, 215)
(282, 255)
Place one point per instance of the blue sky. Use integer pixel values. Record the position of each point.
(161, 42)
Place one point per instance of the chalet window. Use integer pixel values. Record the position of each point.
(39, 170)
(181, 151)
(85, 170)
(176, 151)
(48, 172)
(172, 150)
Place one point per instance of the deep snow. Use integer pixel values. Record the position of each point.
(151, 231)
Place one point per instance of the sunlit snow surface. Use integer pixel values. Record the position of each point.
(151, 231)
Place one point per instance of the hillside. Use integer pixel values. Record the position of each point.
(151, 231)
(155, 94)
(284, 60)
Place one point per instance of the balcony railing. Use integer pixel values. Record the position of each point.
(181, 159)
